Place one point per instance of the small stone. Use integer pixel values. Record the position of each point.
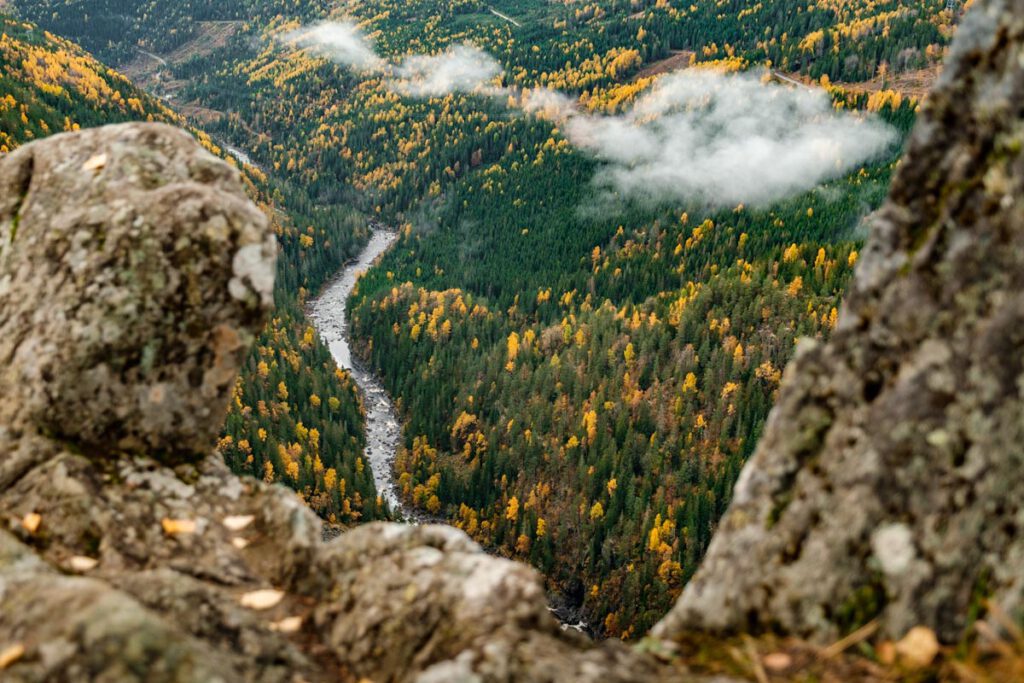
(31, 522)
(238, 522)
(174, 527)
(261, 599)
(10, 654)
(918, 648)
(81, 563)
(239, 543)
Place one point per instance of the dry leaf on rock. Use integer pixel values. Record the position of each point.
(95, 163)
(287, 625)
(81, 563)
(178, 526)
(238, 522)
(10, 654)
(918, 648)
(261, 599)
(31, 522)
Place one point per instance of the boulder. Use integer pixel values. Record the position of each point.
(133, 270)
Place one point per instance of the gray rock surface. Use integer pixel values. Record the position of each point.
(101, 233)
(133, 275)
(888, 480)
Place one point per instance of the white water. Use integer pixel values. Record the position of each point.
(239, 155)
(329, 317)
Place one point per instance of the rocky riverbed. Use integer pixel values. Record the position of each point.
(383, 431)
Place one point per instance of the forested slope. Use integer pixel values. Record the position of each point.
(49, 85)
(580, 386)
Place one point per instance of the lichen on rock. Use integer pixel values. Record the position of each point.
(116, 248)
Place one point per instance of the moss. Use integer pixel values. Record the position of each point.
(807, 445)
(861, 606)
(976, 609)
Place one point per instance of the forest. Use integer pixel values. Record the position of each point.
(579, 388)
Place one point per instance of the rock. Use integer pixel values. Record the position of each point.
(134, 269)
(385, 602)
(887, 483)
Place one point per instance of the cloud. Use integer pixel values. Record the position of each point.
(696, 135)
(721, 139)
(340, 41)
(462, 68)
(548, 103)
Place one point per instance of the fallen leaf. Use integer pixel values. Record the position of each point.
(31, 522)
(10, 654)
(261, 599)
(886, 652)
(919, 647)
(238, 522)
(95, 163)
(777, 661)
(239, 542)
(81, 563)
(287, 625)
(178, 526)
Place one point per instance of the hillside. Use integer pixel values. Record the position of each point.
(49, 85)
(580, 388)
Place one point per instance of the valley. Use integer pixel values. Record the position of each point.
(579, 371)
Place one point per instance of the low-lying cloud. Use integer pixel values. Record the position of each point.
(721, 139)
(462, 68)
(340, 41)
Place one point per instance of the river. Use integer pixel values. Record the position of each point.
(383, 430)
